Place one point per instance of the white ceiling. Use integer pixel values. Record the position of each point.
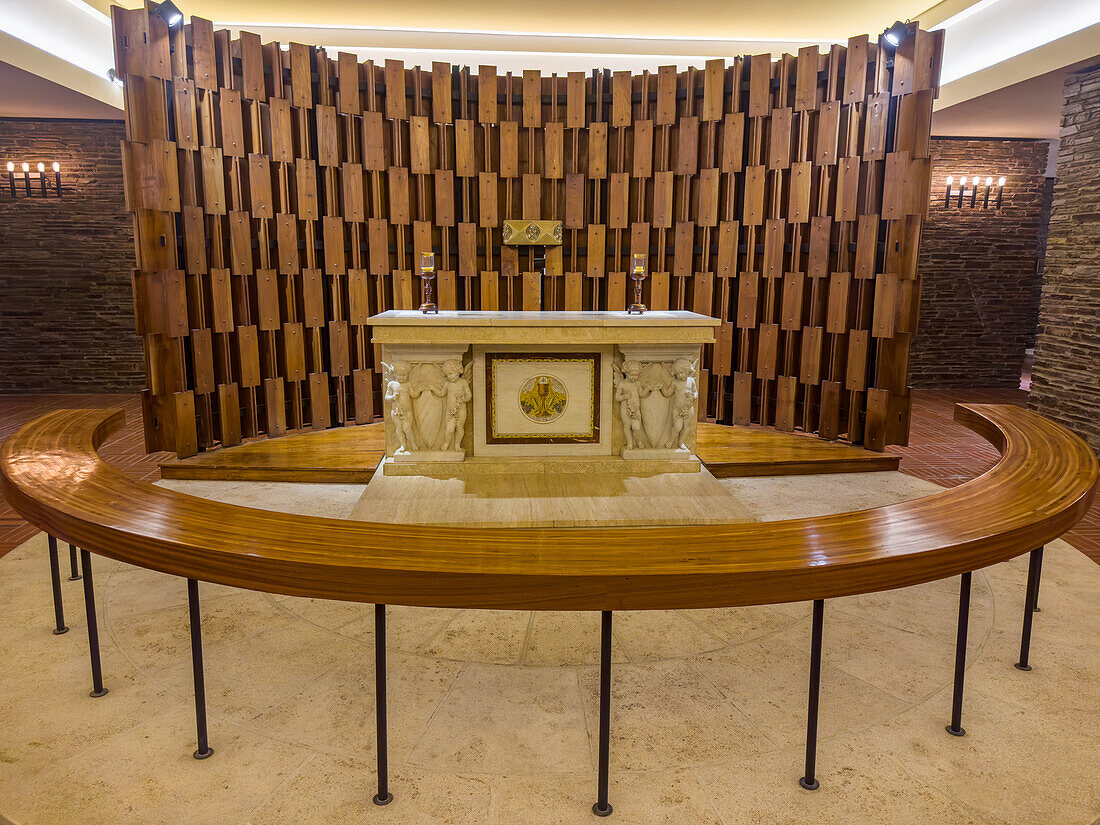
(1031, 109)
(23, 94)
(1017, 97)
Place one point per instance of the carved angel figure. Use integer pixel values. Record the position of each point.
(685, 392)
(400, 396)
(457, 393)
(628, 392)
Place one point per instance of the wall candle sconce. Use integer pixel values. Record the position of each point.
(975, 182)
(46, 185)
(427, 275)
(637, 274)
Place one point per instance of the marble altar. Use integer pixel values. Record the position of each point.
(476, 392)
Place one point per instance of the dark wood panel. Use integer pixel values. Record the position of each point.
(279, 162)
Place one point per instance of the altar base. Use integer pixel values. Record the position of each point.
(425, 458)
(669, 462)
(584, 495)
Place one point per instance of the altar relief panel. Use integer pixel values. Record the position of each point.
(535, 398)
(656, 402)
(281, 197)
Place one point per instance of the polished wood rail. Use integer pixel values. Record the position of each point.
(1044, 482)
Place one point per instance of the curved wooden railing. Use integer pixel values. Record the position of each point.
(1044, 482)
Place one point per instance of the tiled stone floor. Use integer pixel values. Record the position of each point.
(493, 714)
(939, 451)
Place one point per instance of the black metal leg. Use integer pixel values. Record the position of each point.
(1034, 571)
(55, 581)
(204, 750)
(1038, 575)
(809, 780)
(74, 568)
(383, 797)
(956, 728)
(602, 806)
(93, 626)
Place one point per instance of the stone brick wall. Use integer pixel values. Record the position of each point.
(1066, 380)
(66, 311)
(980, 286)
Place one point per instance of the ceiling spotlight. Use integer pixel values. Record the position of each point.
(169, 13)
(896, 33)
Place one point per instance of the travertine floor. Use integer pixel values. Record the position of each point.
(493, 714)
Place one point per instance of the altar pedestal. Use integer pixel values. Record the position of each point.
(469, 392)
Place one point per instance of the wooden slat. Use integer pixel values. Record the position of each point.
(246, 159)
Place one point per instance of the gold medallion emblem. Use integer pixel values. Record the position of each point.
(543, 398)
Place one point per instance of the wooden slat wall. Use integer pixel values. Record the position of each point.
(280, 198)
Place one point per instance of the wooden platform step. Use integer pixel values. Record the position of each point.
(350, 456)
(738, 452)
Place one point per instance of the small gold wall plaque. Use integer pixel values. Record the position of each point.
(532, 233)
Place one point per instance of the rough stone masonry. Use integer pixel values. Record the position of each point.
(1066, 379)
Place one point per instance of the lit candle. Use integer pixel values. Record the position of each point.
(637, 274)
(11, 177)
(1000, 191)
(962, 190)
(57, 177)
(947, 195)
(27, 178)
(42, 177)
(988, 187)
(427, 275)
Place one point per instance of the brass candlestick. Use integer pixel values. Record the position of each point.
(427, 276)
(637, 274)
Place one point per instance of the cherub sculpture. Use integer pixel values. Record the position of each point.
(457, 393)
(400, 397)
(685, 392)
(628, 392)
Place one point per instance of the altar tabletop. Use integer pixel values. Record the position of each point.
(479, 318)
(473, 326)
